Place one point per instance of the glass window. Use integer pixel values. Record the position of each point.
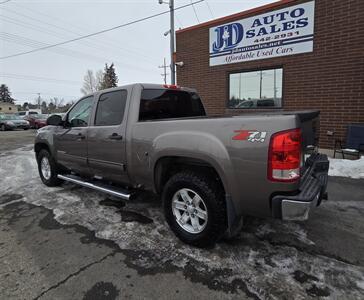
(256, 89)
(110, 108)
(80, 113)
(156, 104)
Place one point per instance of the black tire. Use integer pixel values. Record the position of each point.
(213, 197)
(2, 127)
(53, 179)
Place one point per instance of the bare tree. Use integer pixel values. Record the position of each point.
(99, 79)
(90, 83)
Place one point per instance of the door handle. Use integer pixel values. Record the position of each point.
(115, 136)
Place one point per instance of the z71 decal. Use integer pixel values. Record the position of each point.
(250, 135)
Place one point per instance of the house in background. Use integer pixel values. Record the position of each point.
(8, 108)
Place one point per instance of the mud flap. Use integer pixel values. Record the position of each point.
(234, 222)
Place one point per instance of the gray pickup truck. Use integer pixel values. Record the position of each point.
(209, 171)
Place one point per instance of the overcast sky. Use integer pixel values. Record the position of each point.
(136, 50)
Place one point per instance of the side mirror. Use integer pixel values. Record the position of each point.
(54, 120)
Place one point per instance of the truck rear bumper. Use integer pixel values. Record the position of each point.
(311, 191)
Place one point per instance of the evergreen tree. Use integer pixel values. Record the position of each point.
(109, 77)
(5, 95)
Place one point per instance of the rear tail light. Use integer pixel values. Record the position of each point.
(284, 158)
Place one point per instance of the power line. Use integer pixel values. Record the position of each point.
(104, 44)
(194, 9)
(12, 38)
(100, 32)
(5, 1)
(16, 39)
(36, 78)
(208, 6)
(179, 21)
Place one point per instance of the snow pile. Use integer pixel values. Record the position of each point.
(347, 168)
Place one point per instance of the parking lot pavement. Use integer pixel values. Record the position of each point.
(72, 243)
(13, 139)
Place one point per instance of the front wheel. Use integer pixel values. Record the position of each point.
(194, 208)
(2, 128)
(47, 169)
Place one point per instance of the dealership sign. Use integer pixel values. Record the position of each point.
(277, 33)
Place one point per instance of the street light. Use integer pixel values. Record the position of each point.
(171, 32)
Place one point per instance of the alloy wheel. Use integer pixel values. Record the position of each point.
(189, 210)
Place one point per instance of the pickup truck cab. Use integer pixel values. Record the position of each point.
(209, 171)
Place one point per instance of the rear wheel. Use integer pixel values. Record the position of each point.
(194, 208)
(47, 169)
(3, 128)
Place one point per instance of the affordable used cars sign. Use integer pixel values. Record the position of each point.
(277, 33)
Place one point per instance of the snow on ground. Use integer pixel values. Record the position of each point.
(256, 262)
(347, 167)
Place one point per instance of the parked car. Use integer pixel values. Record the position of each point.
(210, 172)
(37, 120)
(9, 122)
(40, 121)
(29, 112)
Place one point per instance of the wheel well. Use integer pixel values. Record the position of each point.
(168, 166)
(40, 146)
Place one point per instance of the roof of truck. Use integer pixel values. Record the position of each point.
(145, 86)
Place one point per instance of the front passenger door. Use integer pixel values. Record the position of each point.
(72, 137)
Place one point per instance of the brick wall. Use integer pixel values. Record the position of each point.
(330, 79)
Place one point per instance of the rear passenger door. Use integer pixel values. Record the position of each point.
(106, 137)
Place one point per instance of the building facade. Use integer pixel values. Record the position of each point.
(288, 55)
(8, 108)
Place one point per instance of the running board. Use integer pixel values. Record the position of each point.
(114, 191)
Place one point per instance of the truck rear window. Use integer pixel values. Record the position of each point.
(157, 104)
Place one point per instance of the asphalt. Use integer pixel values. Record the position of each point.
(72, 243)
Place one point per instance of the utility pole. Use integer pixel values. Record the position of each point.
(171, 32)
(260, 85)
(39, 100)
(275, 87)
(164, 67)
(173, 66)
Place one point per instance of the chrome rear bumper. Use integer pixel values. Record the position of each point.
(297, 210)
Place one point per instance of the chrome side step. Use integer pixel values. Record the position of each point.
(114, 191)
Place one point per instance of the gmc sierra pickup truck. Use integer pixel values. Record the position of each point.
(209, 171)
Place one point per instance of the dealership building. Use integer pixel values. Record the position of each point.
(287, 55)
